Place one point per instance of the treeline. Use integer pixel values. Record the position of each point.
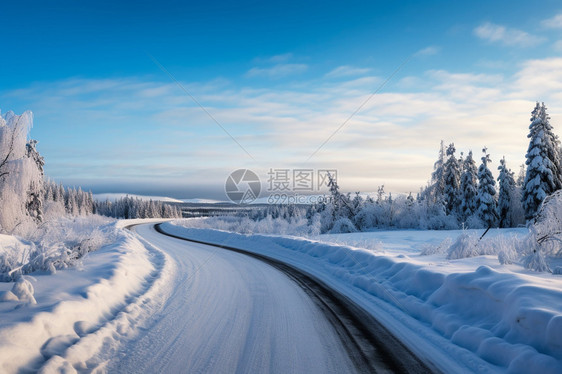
(460, 194)
(76, 202)
(69, 200)
(130, 207)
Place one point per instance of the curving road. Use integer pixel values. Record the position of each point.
(230, 312)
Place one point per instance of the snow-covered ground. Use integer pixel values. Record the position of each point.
(469, 314)
(111, 311)
(227, 313)
(75, 318)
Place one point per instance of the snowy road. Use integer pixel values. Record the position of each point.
(228, 312)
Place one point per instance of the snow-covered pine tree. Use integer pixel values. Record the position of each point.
(543, 175)
(380, 194)
(437, 187)
(357, 202)
(341, 203)
(486, 200)
(410, 201)
(521, 176)
(506, 190)
(452, 181)
(468, 187)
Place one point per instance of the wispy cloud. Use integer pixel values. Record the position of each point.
(276, 59)
(280, 58)
(428, 51)
(145, 129)
(276, 71)
(346, 71)
(554, 22)
(507, 36)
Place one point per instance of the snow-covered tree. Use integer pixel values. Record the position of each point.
(357, 202)
(34, 203)
(468, 187)
(543, 175)
(521, 176)
(21, 175)
(506, 190)
(341, 202)
(452, 181)
(486, 200)
(436, 189)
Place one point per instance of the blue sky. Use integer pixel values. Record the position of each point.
(281, 78)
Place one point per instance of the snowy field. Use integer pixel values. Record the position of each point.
(468, 314)
(465, 314)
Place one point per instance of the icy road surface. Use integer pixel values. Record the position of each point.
(228, 312)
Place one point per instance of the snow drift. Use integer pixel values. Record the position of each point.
(81, 314)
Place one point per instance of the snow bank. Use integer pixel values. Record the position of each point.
(81, 314)
(480, 319)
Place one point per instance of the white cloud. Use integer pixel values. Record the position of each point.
(428, 51)
(346, 71)
(276, 71)
(507, 36)
(141, 128)
(558, 46)
(538, 79)
(554, 22)
(276, 59)
(280, 58)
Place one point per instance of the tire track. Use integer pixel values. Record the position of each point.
(369, 344)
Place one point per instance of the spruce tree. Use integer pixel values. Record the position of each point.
(486, 200)
(521, 176)
(543, 175)
(468, 187)
(452, 181)
(437, 188)
(506, 188)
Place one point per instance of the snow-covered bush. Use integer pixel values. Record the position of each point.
(536, 261)
(23, 290)
(343, 225)
(545, 234)
(54, 245)
(546, 228)
(507, 257)
(532, 253)
(466, 245)
(474, 222)
(429, 249)
(472, 244)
